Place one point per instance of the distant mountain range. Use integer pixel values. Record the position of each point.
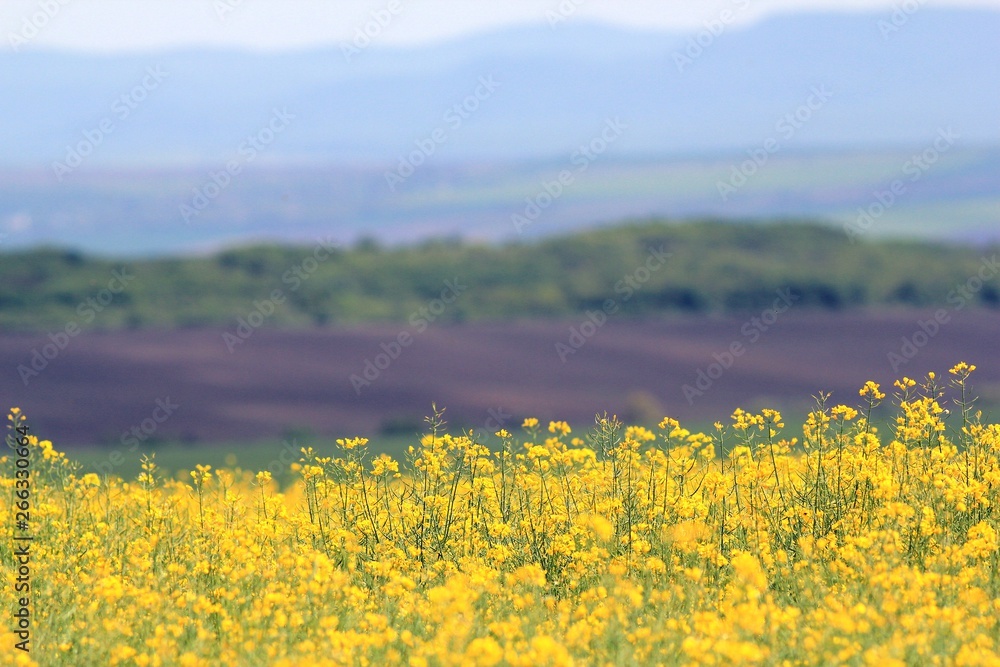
(799, 115)
(805, 80)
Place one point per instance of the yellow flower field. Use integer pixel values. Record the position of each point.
(622, 546)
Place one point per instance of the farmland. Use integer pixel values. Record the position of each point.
(281, 381)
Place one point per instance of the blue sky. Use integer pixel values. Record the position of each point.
(139, 25)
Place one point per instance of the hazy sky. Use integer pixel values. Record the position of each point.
(110, 25)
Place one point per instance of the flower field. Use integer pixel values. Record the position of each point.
(840, 544)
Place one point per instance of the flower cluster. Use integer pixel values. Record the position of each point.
(625, 545)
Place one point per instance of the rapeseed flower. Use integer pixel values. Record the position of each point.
(624, 546)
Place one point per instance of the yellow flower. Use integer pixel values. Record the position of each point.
(201, 474)
(881, 549)
(562, 428)
(843, 411)
(639, 434)
(351, 443)
(484, 651)
(384, 464)
(772, 417)
(532, 575)
(962, 369)
(121, 654)
(603, 529)
(668, 424)
(871, 390)
(748, 571)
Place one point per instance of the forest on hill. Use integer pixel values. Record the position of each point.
(641, 268)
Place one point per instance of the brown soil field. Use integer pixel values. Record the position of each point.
(102, 384)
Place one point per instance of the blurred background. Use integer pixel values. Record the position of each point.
(230, 228)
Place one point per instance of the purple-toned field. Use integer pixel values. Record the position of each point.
(103, 384)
